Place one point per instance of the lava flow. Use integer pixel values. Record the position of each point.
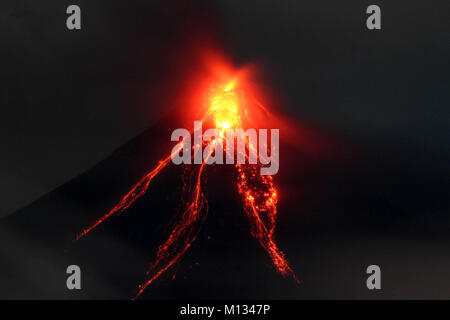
(225, 110)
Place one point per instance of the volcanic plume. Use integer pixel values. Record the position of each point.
(225, 105)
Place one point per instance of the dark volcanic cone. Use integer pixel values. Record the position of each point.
(338, 213)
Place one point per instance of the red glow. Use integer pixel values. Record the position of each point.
(227, 99)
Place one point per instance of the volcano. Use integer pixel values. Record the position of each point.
(329, 223)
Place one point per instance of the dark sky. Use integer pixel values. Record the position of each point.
(68, 99)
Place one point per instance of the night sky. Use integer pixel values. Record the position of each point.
(72, 100)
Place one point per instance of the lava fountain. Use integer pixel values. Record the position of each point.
(226, 108)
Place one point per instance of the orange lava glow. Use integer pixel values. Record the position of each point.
(260, 203)
(226, 109)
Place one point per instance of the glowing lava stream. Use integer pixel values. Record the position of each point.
(258, 193)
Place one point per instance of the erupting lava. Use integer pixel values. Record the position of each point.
(225, 110)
